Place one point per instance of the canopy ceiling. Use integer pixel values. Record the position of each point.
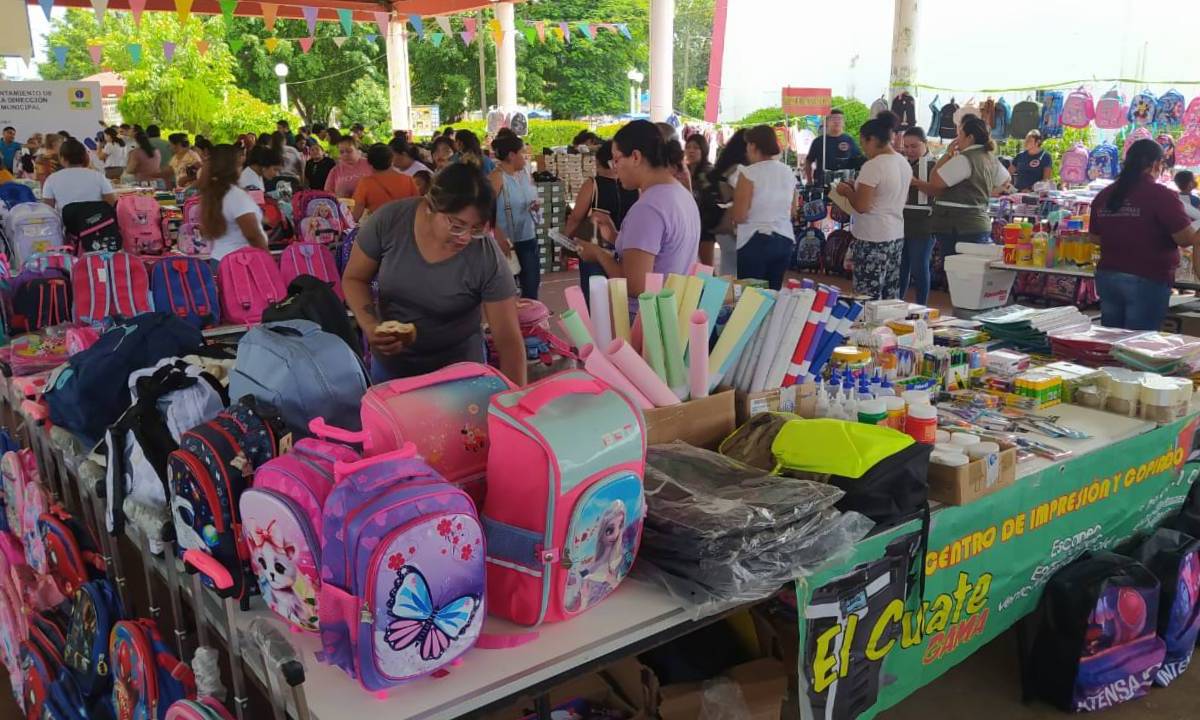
(364, 10)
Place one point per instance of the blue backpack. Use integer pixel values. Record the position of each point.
(184, 286)
(1052, 107)
(1143, 109)
(15, 193)
(91, 391)
(1001, 119)
(1169, 109)
(303, 371)
(1104, 162)
(96, 608)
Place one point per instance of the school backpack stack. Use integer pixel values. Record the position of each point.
(95, 608)
(275, 224)
(110, 286)
(91, 227)
(1078, 109)
(1051, 123)
(282, 525)
(1168, 112)
(189, 240)
(303, 371)
(1074, 169)
(41, 662)
(444, 414)
(39, 299)
(1096, 644)
(318, 217)
(248, 282)
(1143, 109)
(140, 219)
(185, 287)
(1025, 117)
(1111, 113)
(147, 678)
(565, 504)
(1104, 162)
(402, 570)
(32, 227)
(310, 258)
(311, 299)
(1174, 558)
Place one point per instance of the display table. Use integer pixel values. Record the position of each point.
(1073, 271)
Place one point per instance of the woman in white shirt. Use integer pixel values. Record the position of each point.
(114, 154)
(877, 200)
(262, 164)
(763, 201)
(229, 217)
(76, 181)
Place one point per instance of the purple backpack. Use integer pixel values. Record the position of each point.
(402, 570)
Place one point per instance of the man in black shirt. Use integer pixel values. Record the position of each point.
(318, 165)
(841, 149)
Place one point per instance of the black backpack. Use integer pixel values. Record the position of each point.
(947, 128)
(91, 226)
(1096, 643)
(833, 256)
(40, 299)
(810, 243)
(1174, 558)
(894, 490)
(309, 298)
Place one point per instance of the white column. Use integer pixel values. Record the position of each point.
(399, 82)
(904, 47)
(506, 58)
(662, 57)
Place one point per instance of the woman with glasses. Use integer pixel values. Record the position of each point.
(439, 273)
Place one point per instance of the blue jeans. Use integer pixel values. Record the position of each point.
(531, 267)
(914, 263)
(765, 257)
(948, 240)
(1131, 301)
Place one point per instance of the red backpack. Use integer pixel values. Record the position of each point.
(110, 285)
(140, 219)
(275, 225)
(310, 258)
(248, 282)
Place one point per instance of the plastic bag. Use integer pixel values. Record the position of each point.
(722, 699)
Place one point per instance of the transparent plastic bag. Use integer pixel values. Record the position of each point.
(722, 699)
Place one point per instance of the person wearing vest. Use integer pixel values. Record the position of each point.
(918, 240)
(962, 181)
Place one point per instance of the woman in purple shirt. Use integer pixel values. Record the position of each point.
(661, 232)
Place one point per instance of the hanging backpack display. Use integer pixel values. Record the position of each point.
(110, 286)
(1096, 645)
(1074, 170)
(185, 287)
(248, 282)
(1078, 109)
(95, 608)
(91, 227)
(1174, 558)
(1167, 143)
(1143, 109)
(1025, 117)
(1001, 120)
(1051, 123)
(140, 219)
(32, 227)
(1168, 112)
(147, 678)
(1140, 133)
(1104, 162)
(947, 129)
(1187, 150)
(1191, 116)
(1111, 112)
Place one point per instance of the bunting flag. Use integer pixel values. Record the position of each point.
(467, 37)
(444, 23)
(339, 41)
(497, 33)
(624, 28)
(97, 53)
(227, 8)
(346, 18)
(183, 8)
(236, 43)
(418, 26)
(310, 18)
(271, 43)
(586, 29)
(60, 56)
(436, 38)
(530, 34)
(565, 29)
(99, 6)
(202, 47)
(306, 44)
(135, 53)
(469, 24)
(540, 26)
(371, 37)
(169, 50)
(136, 7)
(47, 5)
(381, 21)
(269, 11)
(611, 27)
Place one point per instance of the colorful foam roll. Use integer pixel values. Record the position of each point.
(699, 268)
(688, 303)
(601, 315)
(576, 330)
(698, 367)
(712, 298)
(738, 331)
(741, 344)
(575, 301)
(619, 298)
(599, 365)
(652, 345)
(633, 367)
(820, 308)
(798, 317)
(668, 318)
(654, 283)
(677, 283)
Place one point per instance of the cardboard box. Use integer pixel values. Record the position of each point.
(703, 423)
(627, 686)
(799, 399)
(763, 685)
(966, 484)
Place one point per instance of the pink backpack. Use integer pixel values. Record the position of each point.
(444, 414)
(18, 468)
(281, 519)
(1078, 110)
(190, 241)
(1140, 133)
(139, 218)
(565, 504)
(321, 205)
(1187, 149)
(1191, 116)
(310, 258)
(248, 282)
(205, 708)
(317, 230)
(1074, 169)
(1111, 111)
(34, 503)
(110, 285)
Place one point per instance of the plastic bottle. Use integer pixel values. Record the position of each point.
(872, 412)
(1039, 244)
(876, 383)
(885, 389)
(895, 412)
(822, 410)
(864, 390)
(921, 423)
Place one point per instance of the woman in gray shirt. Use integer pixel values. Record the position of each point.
(439, 270)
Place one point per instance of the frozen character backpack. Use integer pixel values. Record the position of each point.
(281, 519)
(565, 504)
(110, 285)
(91, 227)
(147, 678)
(1096, 645)
(1078, 109)
(185, 286)
(140, 219)
(32, 227)
(311, 258)
(1074, 169)
(444, 414)
(402, 571)
(1104, 162)
(1051, 124)
(1174, 558)
(1111, 113)
(1143, 109)
(1169, 110)
(248, 281)
(95, 608)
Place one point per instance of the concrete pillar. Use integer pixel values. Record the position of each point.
(662, 58)
(904, 47)
(399, 81)
(506, 58)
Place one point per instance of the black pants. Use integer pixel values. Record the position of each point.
(531, 268)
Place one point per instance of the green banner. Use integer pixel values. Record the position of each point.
(865, 645)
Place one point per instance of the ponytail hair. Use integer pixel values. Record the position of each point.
(1142, 156)
(644, 136)
(880, 128)
(974, 126)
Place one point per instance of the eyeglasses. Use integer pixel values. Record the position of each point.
(458, 229)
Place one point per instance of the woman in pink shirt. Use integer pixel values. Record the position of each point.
(144, 159)
(351, 168)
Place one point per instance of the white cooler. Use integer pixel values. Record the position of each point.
(974, 285)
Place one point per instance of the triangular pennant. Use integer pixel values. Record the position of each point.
(310, 19)
(444, 23)
(467, 37)
(97, 53)
(381, 21)
(136, 7)
(587, 31)
(418, 26)
(540, 26)
(135, 53)
(346, 18)
(269, 11)
(271, 43)
(46, 7)
(469, 24)
(306, 44)
(530, 34)
(99, 6)
(436, 38)
(565, 29)
(168, 50)
(372, 37)
(497, 33)
(202, 47)
(624, 30)
(236, 43)
(339, 41)
(227, 8)
(183, 8)
(60, 55)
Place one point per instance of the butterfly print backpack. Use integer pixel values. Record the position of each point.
(565, 504)
(96, 608)
(281, 520)
(402, 571)
(147, 678)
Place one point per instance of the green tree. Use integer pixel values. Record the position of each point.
(367, 103)
(447, 74)
(856, 114)
(694, 100)
(693, 47)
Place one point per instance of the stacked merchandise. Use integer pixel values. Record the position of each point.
(1027, 328)
(1088, 347)
(1162, 353)
(571, 168)
(553, 199)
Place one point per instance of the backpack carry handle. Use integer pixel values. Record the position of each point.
(341, 469)
(208, 566)
(538, 398)
(317, 426)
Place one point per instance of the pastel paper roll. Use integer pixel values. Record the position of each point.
(743, 370)
(712, 298)
(785, 302)
(653, 286)
(699, 268)
(619, 299)
(576, 330)
(802, 303)
(601, 315)
(693, 287)
(654, 283)
(599, 365)
(668, 318)
(698, 367)
(741, 346)
(575, 301)
(639, 373)
(676, 282)
(738, 330)
(652, 345)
